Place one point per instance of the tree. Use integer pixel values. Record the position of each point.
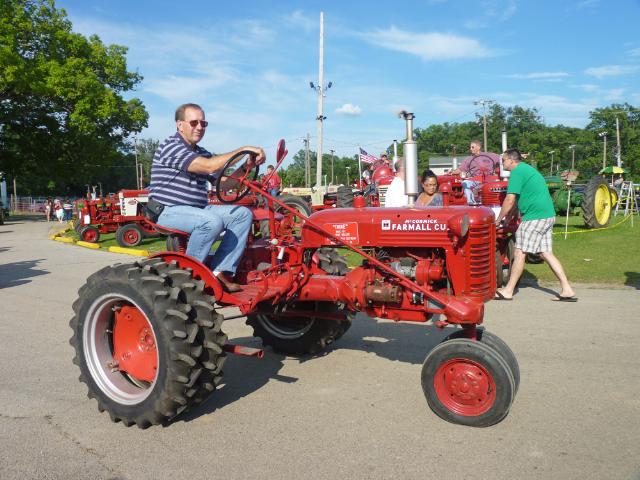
(63, 120)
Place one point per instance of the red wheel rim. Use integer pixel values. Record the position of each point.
(90, 235)
(465, 387)
(134, 344)
(131, 236)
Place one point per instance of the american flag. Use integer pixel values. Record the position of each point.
(366, 158)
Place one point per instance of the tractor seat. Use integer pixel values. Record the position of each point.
(168, 231)
(260, 214)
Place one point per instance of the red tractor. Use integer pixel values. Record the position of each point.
(121, 213)
(148, 336)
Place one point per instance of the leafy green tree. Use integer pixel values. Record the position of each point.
(63, 118)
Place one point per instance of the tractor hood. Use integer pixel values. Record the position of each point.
(395, 227)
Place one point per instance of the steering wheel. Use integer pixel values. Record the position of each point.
(230, 186)
(483, 171)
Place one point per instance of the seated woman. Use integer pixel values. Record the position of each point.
(430, 197)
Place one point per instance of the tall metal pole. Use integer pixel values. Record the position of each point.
(618, 150)
(320, 117)
(307, 173)
(484, 104)
(551, 169)
(332, 179)
(135, 152)
(395, 154)
(604, 150)
(410, 160)
(573, 156)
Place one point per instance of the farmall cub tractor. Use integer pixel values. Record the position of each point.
(148, 336)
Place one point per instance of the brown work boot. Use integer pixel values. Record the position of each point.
(227, 284)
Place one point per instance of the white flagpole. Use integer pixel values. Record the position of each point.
(359, 167)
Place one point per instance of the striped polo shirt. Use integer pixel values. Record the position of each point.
(171, 182)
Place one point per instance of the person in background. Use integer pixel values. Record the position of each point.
(430, 197)
(527, 189)
(67, 207)
(395, 196)
(273, 181)
(48, 208)
(57, 209)
(475, 165)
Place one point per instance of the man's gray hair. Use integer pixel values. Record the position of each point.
(476, 142)
(399, 165)
(182, 108)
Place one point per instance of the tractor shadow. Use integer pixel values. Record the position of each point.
(633, 279)
(19, 273)
(398, 342)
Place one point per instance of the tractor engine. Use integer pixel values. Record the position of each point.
(448, 250)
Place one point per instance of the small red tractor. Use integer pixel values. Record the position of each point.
(121, 213)
(148, 336)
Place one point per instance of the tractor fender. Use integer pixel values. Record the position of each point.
(200, 270)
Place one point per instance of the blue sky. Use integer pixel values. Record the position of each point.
(249, 63)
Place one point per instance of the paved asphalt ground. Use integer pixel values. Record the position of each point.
(356, 412)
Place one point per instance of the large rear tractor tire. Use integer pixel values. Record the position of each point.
(299, 335)
(344, 197)
(332, 262)
(596, 203)
(467, 382)
(290, 224)
(147, 341)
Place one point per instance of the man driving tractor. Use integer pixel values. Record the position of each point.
(476, 165)
(179, 175)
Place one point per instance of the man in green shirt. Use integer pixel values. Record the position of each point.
(528, 190)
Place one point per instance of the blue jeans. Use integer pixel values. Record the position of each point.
(468, 186)
(205, 225)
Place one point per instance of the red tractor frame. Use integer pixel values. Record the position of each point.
(148, 336)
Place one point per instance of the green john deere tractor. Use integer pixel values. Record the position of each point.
(595, 199)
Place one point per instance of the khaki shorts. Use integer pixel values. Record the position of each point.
(534, 236)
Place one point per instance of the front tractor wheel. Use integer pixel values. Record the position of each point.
(299, 334)
(129, 235)
(89, 234)
(468, 383)
(146, 349)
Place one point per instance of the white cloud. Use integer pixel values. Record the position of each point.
(490, 12)
(614, 94)
(298, 19)
(635, 52)
(587, 87)
(349, 110)
(611, 70)
(428, 46)
(539, 75)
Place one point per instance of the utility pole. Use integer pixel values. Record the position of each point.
(307, 174)
(347, 169)
(454, 160)
(484, 104)
(573, 156)
(604, 150)
(320, 88)
(551, 169)
(135, 153)
(618, 150)
(332, 179)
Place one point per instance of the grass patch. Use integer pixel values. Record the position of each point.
(602, 256)
(152, 244)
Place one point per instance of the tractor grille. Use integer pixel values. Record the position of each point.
(481, 280)
(382, 193)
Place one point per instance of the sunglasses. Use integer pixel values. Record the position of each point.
(194, 123)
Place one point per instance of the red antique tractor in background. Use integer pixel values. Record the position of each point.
(491, 192)
(148, 336)
(121, 213)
